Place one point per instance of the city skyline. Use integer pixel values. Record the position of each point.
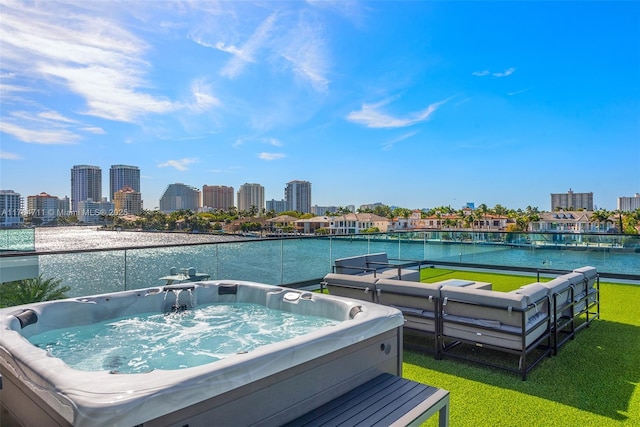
(414, 104)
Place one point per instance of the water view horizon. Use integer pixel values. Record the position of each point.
(274, 261)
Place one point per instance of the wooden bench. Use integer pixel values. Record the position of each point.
(386, 400)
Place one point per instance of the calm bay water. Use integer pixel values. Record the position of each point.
(271, 261)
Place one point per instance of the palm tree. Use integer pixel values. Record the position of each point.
(600, 216)
(27, 291)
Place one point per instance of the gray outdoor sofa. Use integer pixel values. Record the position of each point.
(531, 322)
(378, 264)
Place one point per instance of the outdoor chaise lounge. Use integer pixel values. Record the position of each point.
(378, 264)
(516, 322)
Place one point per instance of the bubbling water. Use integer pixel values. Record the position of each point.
(177, 340)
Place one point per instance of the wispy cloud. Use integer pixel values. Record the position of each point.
(271, 156)
(304, 50)
(247, 52)
(484, 73)
(517, 92)
(46, 127)
(261, 140)
(370, 115)
(481, 73)
(203, 98)
(388, 145)
(4, 155)
(86, 53)
(179, 164)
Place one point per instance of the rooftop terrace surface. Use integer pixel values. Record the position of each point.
(593, 381)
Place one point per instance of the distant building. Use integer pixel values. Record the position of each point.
(309, 226)
(277, 205)
(86, 183)
(127, 201)
(572, 201)
(11, 208)
(44, 207)
(121, 176)
(629, 204)
(570, 222)
(355, 223)
(322, 210)
(179, 196)
(371, 206)
(219, 197)
(250, 195)
(91, 212)
(298, 196)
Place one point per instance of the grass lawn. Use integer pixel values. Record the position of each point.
(593, 381)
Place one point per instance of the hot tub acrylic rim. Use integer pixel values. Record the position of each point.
(90, 393)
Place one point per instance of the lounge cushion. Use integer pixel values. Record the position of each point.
(589, 273)
(351, 286)
(534, 292)
(358, 263)
(483, 304)
(401, 293)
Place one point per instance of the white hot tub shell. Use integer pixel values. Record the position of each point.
(270, 385)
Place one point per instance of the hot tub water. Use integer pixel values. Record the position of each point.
(177, 340)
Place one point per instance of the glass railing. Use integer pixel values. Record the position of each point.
(297, 260)
(17, 239)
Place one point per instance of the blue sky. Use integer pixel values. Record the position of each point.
(414, 104)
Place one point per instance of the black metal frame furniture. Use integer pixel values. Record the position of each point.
(515, 323)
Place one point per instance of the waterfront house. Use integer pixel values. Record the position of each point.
(356, 223)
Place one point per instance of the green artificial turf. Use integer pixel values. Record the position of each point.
(593, 381)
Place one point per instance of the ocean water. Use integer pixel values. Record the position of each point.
(273, 261)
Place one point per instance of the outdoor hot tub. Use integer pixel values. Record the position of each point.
(267, 385)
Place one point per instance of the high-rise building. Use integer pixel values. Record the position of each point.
(572, 201)
(629, 204)
(10, 208)
(276, 205)
(217, 197)
(44, 207)
(298, 196)
(179, 196)
(86, 183)
(250, 195)
(127, 201)
(121, 176)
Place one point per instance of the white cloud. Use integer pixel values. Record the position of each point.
(39, 136)
(4, 155)
(389, 144)
(271, 156)
(305, 52)
(85, 52)
(480, 73)
(483, 73)
(371, 116)
(203, 98)
(179, 164)
(248, 51)
(505, 73)
(517, 92)
(46, 127)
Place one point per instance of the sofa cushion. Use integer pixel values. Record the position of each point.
(483, 304)
(534, 292)
(350, 286)
(358, 265)
(589, 273)
(401, 293)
